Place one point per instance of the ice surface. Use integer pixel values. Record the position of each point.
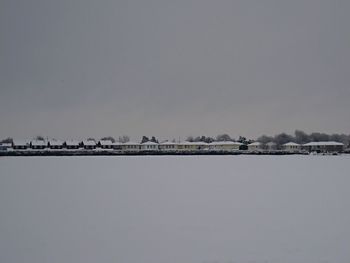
(174, 209)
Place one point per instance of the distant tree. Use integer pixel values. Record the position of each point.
(39, 138)
(90, 139)
(301, 137)
(202, 139)
(124, 139)
(108, 138)
(318, 137)
(173, 140)
(190, 139)
(144, 139)
(7, 140)
(223, 137)
(153, 139)
(265, 139)
(208, 139)
(282, 139)
(340, 138)
(243, 140)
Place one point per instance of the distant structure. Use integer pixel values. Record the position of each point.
(38, 144)
(291, 147)
(55, 144)
(186, 147)
(255, 146)
(271, 146)
(191, 146)
(225, 146)
(168, 146)
(89, 144)
(149, 146)
(324, 146)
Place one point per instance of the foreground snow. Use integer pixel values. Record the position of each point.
(173, 209)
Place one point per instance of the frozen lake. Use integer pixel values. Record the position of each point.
(168, 209)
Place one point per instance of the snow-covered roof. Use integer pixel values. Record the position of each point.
(106, 142)
(225, 143)
(168, 143)
(6, 144)
(193, 143)
(55, 142)
(149, 143)
(254, 144)
(131, 143)
(117, 143)
(89, 143)
(72, 143)
(38, 143)
(20, 143)
(291, 144)
(331, 143)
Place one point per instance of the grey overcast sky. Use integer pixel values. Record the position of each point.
(78, 68)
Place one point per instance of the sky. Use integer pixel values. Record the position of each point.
(83, 68)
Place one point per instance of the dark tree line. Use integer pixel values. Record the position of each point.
(146, 139)
(299, 136)
(218, 138)
(302, 137)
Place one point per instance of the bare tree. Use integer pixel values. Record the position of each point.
(223, 137)
(7, 140)
(265, 139)
(124, 139)
(108, 138)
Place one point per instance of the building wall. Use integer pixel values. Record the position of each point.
(324, 148)
(130, 148)
(168, 147)
(225, 147)
(254, 147)
(190, 147)
(292, 148)
(149, 147)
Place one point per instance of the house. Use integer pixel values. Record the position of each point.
(117, 146)
(291, 147)
(38, 144)
(255, 146)
(168, 146)
(105, 144)
(55, 144)
(20, 145)
(5, 146)
(224, 146)
(131, 146)
(89, 144)
(192, 146)
(72, 145)
(271, 146)
(324, 146)
(149, 146)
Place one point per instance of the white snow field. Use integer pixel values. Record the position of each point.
(175, 209)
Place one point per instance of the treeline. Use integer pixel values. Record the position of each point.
(302, 137)
(299, 137)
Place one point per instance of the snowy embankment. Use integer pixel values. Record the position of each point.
(173, 209)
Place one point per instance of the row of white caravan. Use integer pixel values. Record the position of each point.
(167, 146)
(326, 146)
(128, 146)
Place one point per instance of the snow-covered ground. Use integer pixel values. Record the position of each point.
(175, 209)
